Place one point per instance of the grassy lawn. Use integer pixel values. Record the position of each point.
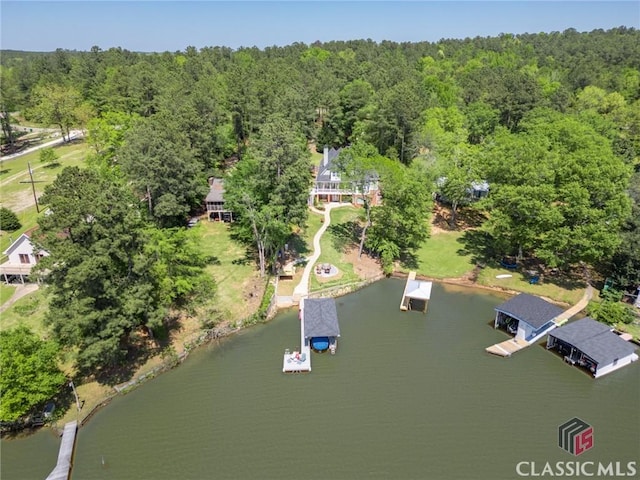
(19, 196)
(29, 310)
(556, 290)
(332, 247)
(631, 328)
(6, 291)
(439, 258)
(231, 269)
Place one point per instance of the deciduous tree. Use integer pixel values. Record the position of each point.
(30, 372)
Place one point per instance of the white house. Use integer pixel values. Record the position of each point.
(22, 256)
(329, 186)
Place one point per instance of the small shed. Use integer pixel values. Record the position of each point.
(593, 346)
(321, 328)
(527, 316)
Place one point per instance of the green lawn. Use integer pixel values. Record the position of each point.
(6, 291)
(16, 195)
(439, 257)
(30, 311)
(332, 250)
(231, 268)
(551, 288)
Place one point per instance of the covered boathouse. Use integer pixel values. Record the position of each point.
(527, 316)
(321, 329)
(593, 346)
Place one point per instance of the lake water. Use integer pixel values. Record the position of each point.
(407, 396)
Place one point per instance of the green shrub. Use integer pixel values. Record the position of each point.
(8, 220)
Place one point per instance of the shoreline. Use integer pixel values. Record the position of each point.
(204, 337)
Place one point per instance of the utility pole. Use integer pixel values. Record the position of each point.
(73, 387)
(33, 186)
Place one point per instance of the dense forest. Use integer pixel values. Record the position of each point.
(551, 121)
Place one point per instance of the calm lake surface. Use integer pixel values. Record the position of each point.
(407, 396)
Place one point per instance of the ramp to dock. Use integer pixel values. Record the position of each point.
(62, 470)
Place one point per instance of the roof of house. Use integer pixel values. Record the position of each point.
(594, 339)
(216, 190)
(419, 289)
(324, 170)
(320, 318)
(530, 309)
(22, 238)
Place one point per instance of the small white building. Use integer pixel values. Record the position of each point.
(22, 257)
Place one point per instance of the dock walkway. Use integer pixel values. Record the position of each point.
(62, 470)
(508, 347)
(404, 303)
(298, 361)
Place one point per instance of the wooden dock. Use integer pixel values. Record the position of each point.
(298, 361)
(417, 290)
(508, 347)
(62, 470)
(404, 303)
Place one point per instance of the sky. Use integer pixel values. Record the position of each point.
(157, 26)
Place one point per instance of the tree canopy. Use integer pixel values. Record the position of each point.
(30, 372)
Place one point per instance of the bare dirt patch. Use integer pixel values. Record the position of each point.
(467, 218)
(365, 267)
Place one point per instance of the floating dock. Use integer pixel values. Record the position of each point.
(298, 361)
(415, 290)
(62, 470)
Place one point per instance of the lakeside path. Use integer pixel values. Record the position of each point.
(302, 289)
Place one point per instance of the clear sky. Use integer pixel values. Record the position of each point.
(174, 25)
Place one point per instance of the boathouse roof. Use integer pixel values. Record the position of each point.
(320, 318)
(530, 309)
(594, 339)
(418, 289)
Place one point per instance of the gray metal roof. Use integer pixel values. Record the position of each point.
(216, 191)
(320, 318)
(530, 309)
(324, 171)
(594, 339)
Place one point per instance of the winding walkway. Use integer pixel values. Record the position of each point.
(21, 291)
(302, 289)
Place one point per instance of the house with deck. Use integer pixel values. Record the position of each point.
(593, 346)
(22, 256)
(527, 317)
(329, 185)
(214, 202)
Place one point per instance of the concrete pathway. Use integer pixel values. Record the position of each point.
(21, 291)
(302, 289)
